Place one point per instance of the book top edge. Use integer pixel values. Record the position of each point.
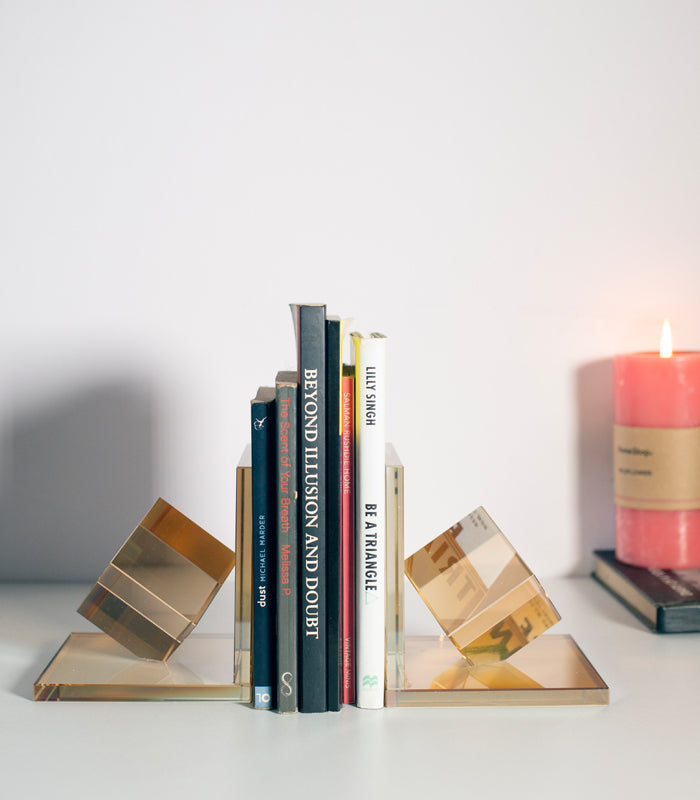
(374, 335)
(286, 377)
(265, 395)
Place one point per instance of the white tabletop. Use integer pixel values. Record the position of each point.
(645, 743)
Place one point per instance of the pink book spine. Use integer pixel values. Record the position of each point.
(348, 538)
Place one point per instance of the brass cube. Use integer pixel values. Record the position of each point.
(157, 587)
(480, 591)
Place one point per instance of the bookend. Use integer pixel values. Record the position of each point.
(492, 610)
(148, 600)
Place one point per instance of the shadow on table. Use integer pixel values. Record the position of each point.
(596, 511)
(602, 603)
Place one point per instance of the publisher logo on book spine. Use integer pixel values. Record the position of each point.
(286, 687)
(263, 697)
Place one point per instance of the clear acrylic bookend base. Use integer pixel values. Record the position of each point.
(92, 666)
(550, 671)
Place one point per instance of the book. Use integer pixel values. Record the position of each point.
(370, 519)
(668, 601)
(262, 426)
(310, 328)
(287, 589)
(347, 532)
(334, 377)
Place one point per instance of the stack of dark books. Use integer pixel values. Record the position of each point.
(318, 509)
(666, 600)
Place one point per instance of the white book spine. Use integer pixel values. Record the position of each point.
(370, 388)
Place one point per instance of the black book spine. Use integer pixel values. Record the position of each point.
(287, 551)
(311, 339)
(678, 619)
(333, 512)
(263, 463)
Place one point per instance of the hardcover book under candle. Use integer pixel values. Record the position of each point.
(668, 601)
(657, 458)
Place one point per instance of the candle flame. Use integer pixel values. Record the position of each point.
(666, 348)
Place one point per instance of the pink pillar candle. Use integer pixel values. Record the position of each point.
(657, 460)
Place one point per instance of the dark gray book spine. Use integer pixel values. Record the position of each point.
(311, 340)
(287, 550)
(333, 512)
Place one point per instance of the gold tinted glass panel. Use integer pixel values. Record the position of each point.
(480, 591)
(157, 587)
(394, 556)
(92, 666)
(244, 574)
(550, 671)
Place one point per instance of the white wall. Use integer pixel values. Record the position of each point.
(509, 190)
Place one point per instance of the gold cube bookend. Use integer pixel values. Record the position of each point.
(480, 591)
(157, 587)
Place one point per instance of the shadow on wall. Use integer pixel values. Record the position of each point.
(79, 477)
(596, 511)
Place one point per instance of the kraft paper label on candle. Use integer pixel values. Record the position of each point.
(657, 468)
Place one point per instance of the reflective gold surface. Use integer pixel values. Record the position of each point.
(480, 591)
(156, 588)
(92, 666)
(394, 556)
(550, 671)
(244, 575)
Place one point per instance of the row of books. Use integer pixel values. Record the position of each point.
(318, 482)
